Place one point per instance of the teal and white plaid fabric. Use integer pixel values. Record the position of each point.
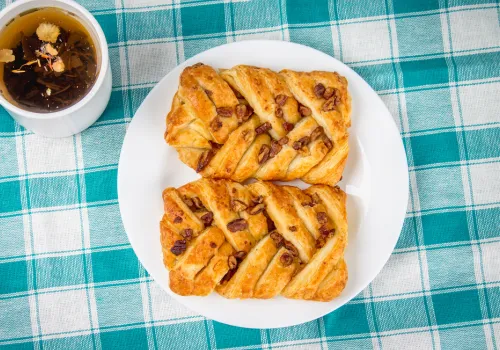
(69, 278)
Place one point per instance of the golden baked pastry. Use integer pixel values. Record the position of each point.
(253, 122)
(255, 241)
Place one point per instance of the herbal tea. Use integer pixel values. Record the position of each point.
(48, 60)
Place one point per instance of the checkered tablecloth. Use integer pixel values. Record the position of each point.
(69, 278)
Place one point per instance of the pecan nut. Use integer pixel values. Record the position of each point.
(232, 262)
(237, 205)
(322, 217)
(243, 112)
(216, 124)
(179, 247)
(329, 92)
(279, 113)
(264, 154)
(286, 259)
(305, 111)
(240, 255)
(316, 134)
(204, 159)
(262, 128)
(207, 218)
(281, 99)
(291, 248)
(328, 143)
(256, 209)
(329, 105)
(275, 148)
(237, 225)
(283, 141)
(288, 126)
(319, 90)
(187, 234)
(277, 238)
(258, 199)
(224, 112)
(292, 228)
(177, 220)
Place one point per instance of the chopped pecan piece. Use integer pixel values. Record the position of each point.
(305, 140)
(179, 247)
(330, 104)
(297, 145)
(322, 217)
(316, 134)
(270, 223)
(277, 238)
(258, 199)
(204, 160)
(279, 112)
(242, 112)
(187, 234)
(304, 111)
(197, 203)
(237, 225)
(325, 231)
(319, 90)
(225, 112)
(237, 205)
(177, 220)
(213, 245)
(308, 204)
(283, 141)
(293, 228)
(207, 218)
(281, 99)
(189, 202)
(275, 148)
(315, 198)
(240, 255)
(262, 128)
(264, 154)
(216, 124)
(286, 259)
(328, 143)
(232, 262)
(291, 248)
(288, 126)
(256, 209)
(329, 92)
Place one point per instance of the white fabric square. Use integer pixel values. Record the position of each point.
(400, 275)
(164, 307)
(476, 29)
(392, 104)
(150, 62)
(408, 341)
(56, 231)
(365, 41)
(491, 261)
(48, 155)
(479, 103)
(258, 36)
(485, 182)
(63, 312)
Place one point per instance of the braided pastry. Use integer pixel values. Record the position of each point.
(255, 241)
(252, 122)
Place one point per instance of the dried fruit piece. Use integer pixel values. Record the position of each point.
(281, 99)
(237, 225)
(6, 56)
(264, 154)
(319, 90)
(48, 32)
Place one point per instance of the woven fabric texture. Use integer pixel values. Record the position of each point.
(69, 278)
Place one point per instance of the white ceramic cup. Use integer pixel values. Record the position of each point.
(85, 112)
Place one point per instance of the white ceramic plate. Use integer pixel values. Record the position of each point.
(375, 179)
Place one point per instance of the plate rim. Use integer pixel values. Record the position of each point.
(393, 127)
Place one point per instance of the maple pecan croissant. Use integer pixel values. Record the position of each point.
(255, 241)
(250, 122)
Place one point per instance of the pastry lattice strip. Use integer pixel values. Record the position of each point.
(253, 122)
(255, 241)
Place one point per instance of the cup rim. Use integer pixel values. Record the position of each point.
(102, 72)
